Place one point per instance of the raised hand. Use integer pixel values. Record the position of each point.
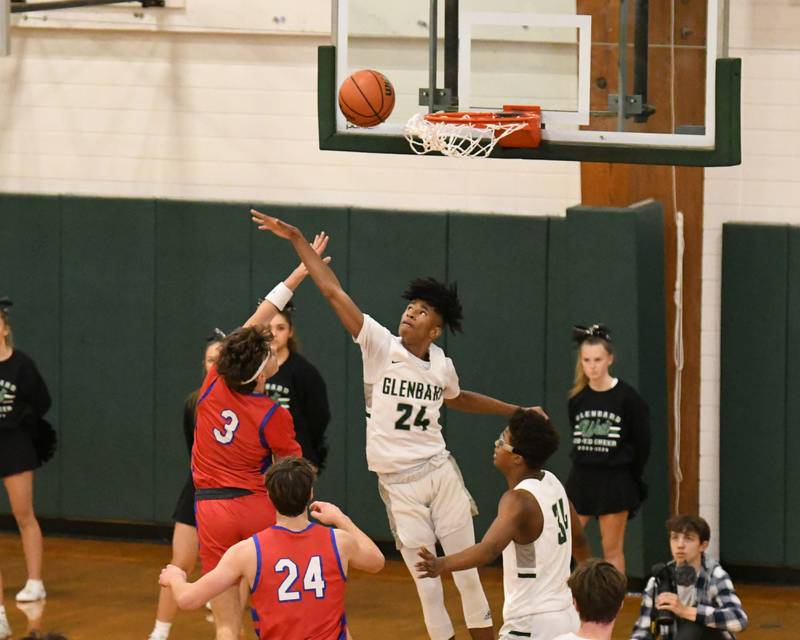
(276, 226)
(326, 513)
(430, 566)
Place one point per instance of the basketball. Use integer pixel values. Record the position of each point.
(366, 98)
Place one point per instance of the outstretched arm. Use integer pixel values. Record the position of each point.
(471, 402)
(280, 295)
(193, 595)
(502, 531)
(324, 277)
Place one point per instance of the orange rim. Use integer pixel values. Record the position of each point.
(481, 118)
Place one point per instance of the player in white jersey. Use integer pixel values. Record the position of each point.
(407, 378)
(537, 531)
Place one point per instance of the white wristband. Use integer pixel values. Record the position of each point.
(280, 296)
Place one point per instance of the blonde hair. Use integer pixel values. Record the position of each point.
(580, 381)
(10, 337)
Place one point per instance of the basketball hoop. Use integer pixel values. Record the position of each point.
(474, 134)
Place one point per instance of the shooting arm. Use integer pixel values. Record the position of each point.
(277, 299)
(324, 277)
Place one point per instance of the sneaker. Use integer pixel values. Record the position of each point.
(31, 592)
(5, 630)
(155, 635)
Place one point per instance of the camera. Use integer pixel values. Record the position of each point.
(668, 578)
(665, 583)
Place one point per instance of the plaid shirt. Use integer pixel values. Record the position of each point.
(718, 606)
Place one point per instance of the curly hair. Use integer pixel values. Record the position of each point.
(241, 354)
(442, 297)
(533, 437)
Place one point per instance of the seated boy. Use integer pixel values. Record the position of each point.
(705, 606)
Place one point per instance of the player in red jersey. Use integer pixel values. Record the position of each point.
(297, 569)
(239, 431)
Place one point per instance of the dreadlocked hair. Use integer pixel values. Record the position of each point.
(442, 297)
(241, 354)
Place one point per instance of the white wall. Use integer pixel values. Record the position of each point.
(221, 111)
(764, 188)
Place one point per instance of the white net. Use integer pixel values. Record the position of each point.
(457, 139)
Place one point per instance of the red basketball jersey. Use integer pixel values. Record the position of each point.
(236, 435)
(298, 590)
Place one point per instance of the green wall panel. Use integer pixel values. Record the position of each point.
(30, 273)
(389, 249)
(202, 281)
(560, 356)
(753, 393)
(791, 505)
(322, 338)
(652, 382)
(108, 360)
(614, 265)
(500, 264)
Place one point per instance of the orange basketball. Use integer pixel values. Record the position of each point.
(366, 98)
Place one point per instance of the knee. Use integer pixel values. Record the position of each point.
(25, 516)
(467, 580)
(429, 589)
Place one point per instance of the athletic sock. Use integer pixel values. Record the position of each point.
(161, 629)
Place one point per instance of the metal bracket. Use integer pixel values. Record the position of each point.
(443, 98)
(633, 104)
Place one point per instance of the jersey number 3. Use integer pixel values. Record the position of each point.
(312, 580)
(230, 427)
(561, 518)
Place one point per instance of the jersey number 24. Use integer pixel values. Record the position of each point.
(312, 579)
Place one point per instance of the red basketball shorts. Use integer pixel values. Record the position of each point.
(223, 523)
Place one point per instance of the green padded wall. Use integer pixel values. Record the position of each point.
(614, 268)
(560, 360)
(30, 274)
(122, 294)
(108, 358)
(500, 264)
(202, 281)
(388, 249)
(791, 505)
(322, 338)
(753, 396)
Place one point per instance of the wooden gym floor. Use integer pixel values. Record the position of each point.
(101, 590)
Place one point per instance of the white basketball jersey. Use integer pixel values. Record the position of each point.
(403, 396)
(535, 575)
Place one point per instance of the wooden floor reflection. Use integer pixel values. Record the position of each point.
(99, 590)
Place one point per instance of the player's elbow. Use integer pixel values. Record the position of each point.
(374, 562)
